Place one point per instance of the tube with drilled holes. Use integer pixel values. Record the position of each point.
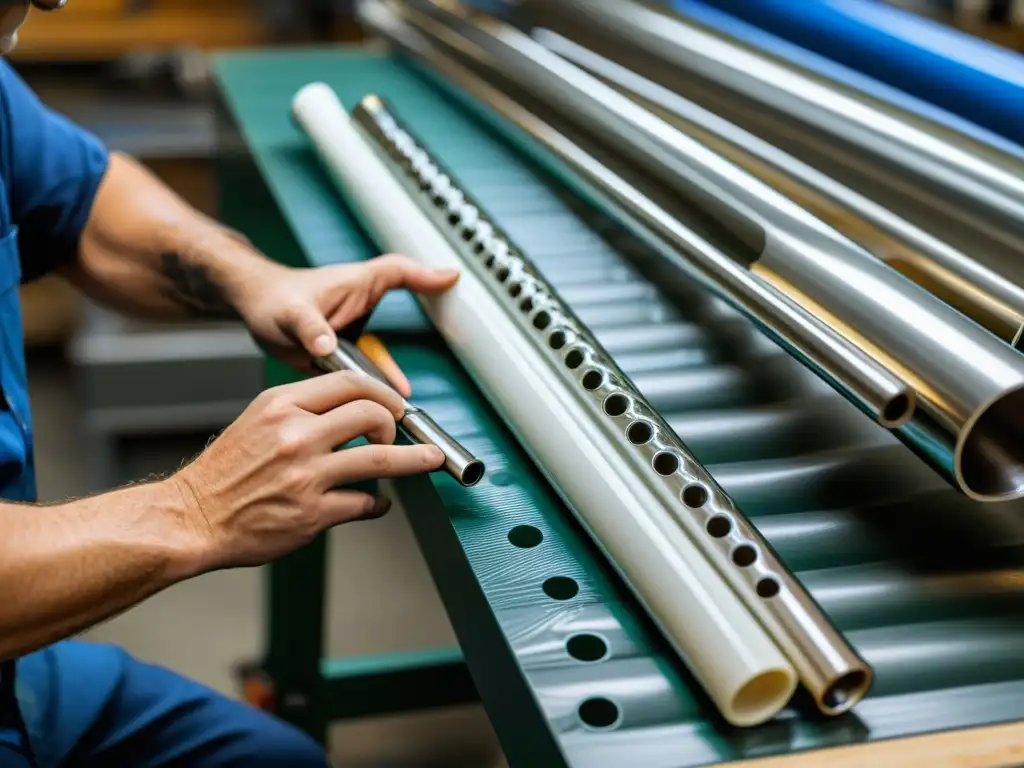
(828, 666)
(745, 674)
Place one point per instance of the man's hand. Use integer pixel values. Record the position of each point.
(268, 484)
(296, 313)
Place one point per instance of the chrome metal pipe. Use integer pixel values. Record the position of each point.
(849, 370)
(968, 384)
(981, 293)
(417, 425)
(965, 177)
(827, 665)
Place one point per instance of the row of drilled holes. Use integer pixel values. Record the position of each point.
(665, 463)
(596, 712)
(639, 432)
(600, 712)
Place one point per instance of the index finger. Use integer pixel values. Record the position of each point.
(332, 390)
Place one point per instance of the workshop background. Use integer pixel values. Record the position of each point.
(116, 400)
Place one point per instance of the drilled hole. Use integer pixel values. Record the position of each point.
(502, 274)
(744, 555)
(479, 248)
(453, 218)
(557, 340)
(767, 587)
(467, 234)
(695, 496)
(526, 305)
(599, 713)
(587, 647)
(515, 289)
(639, 432)
(592, 379)
(561, 588)
(574, 359)
(542, 320)
(719, 526)
(616, 404)
(525, 536)
(490, 261)
(666, 463)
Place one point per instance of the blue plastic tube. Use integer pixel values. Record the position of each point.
(962, 74)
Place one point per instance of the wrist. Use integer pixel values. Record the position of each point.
(178, 522)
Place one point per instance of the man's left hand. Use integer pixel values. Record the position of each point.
(295, 314)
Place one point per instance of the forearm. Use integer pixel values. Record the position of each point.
(67, 567)
(147, 251)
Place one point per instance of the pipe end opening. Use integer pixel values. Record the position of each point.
(473, 473)
(898, 410)
(990, 461)
(845, 692)
(761, 698)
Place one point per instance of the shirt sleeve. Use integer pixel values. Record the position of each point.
(52, 169)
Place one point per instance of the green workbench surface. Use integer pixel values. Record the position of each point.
(513, 607)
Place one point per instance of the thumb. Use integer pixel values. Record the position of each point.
(307, 324)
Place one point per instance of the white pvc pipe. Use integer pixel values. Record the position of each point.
(726, 649)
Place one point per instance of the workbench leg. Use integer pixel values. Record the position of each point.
(295, 607)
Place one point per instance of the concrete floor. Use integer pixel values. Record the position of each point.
(382, 599)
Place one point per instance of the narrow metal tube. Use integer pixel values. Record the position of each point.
(418, 426)
(968, 384)
(962, 282)
(974, 178)
(836, 676)
(848, 369)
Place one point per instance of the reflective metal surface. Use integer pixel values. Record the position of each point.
(853, 373)
(969, 384)
(836, 677)
(417, 425)
(979, 292)
(923, 159)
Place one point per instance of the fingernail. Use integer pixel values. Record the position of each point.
(322, 345)
(436, 455)
(381, 506)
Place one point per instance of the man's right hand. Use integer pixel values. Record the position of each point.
(268, 484)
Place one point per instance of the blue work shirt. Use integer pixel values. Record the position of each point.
(50, 170)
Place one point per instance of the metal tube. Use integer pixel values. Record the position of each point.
(969, 385)
(827, 665)
(417, 425)
(849, 370)
(956, 278)
(975, 178)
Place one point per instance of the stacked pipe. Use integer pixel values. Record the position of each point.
(968, 384)
(554, 378)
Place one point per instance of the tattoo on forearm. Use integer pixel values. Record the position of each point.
(194, 288)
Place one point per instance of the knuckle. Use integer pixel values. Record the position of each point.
(297, 480)
(291, 442)
(274, 403)
(381, 458)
